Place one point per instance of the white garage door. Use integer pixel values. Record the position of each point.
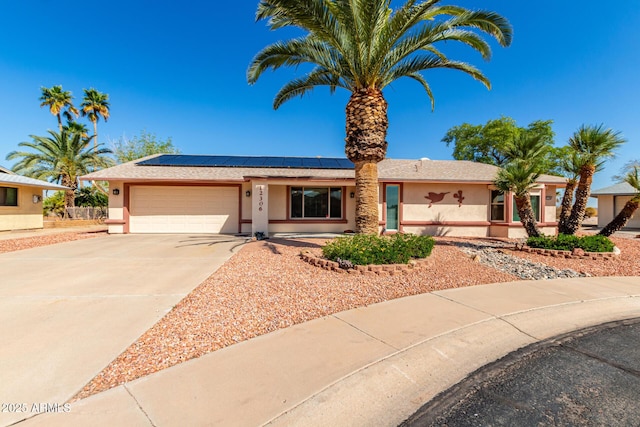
(183, 209)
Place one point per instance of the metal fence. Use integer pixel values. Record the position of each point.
(86, 213)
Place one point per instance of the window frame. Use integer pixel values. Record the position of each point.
(515, 214)
(492, 204)
(4, 197)
(329, 206)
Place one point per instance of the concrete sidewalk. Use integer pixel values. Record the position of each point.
(371, 366)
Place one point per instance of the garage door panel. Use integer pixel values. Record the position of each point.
(155, 209)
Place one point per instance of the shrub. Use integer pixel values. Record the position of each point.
(590, 212)
(364, 249)
(569, 242)
(596, 243)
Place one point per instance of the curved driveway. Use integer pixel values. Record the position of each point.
(68, 310)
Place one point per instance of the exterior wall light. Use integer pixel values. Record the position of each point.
(36, 198)
(116, 191)
(247, 193)
(352, 195)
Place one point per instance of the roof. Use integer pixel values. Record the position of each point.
(620, 189)
(8, 177)
(146, 169)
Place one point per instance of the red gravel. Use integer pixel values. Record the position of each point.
(19, 244)
(265, 287)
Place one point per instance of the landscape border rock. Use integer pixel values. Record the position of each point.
(368, 270)
(575, 254)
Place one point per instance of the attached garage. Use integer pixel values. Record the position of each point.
(184, 209)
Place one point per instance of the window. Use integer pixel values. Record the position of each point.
(497, 205)
(392, 206)
(8, 196)
(535, 204)
(316, 202)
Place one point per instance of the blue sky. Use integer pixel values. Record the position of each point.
(178, 69)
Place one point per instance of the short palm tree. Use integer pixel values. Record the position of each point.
(363, 46)
(60, 102)
(95, 105)
(594, 144)
(524, 164)
(61, 157)
(630, 208)
(570, 167)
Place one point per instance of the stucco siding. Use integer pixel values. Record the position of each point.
(473, 207)
(26, 215)
(278, 202)
(445, 230)
(605, 210)
(116, 207)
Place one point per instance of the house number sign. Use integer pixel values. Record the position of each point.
(260, 198)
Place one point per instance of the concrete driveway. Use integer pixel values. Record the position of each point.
(67, 310)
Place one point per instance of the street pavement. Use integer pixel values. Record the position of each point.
(586, 378)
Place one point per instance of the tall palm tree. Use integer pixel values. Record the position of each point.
(61, 157)
(94, 105)
(363, 46)
(524, 164)
(594, 144)
(60, 102)
(630, 208)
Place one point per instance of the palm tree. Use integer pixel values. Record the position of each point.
(59, 102)
(633, 179)
(364, 46)
(76, 127)
(570, 167)
(61, 157)
(594, 144)
(95, 104)
(524, 164)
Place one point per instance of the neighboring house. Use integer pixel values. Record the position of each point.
(21, 201)
(233, 194)
(611, 200)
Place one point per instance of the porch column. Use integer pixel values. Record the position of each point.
(259, 206)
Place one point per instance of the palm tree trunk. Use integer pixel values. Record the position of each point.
(567, 202)
(70, 194)
(59, 122)
(95, 135)
(527, 216)
(365, 146)
(622, 218)
(583, 192)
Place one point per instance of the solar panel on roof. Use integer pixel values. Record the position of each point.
(248, 161)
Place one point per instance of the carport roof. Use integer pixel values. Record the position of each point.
(423, 170)
(620, 189)
(8, 177)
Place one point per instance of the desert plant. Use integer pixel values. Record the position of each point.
(364, 249)
(569, 242)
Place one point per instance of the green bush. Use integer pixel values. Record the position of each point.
(363, 249)
(569, 242)
(596, 243)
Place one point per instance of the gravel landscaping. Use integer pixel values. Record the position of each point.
(266, 286)
(18, 244)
